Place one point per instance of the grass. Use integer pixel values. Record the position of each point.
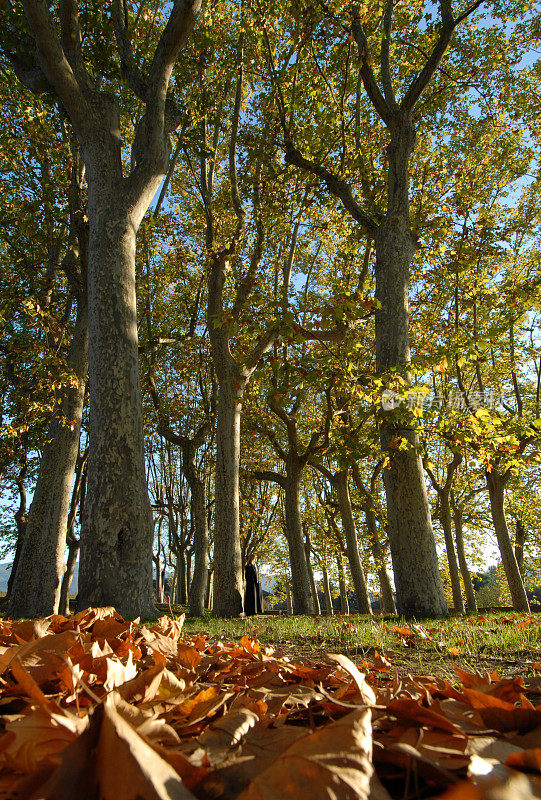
(506, 642)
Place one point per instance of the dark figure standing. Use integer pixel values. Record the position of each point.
(253, 598)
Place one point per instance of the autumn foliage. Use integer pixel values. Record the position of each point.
(97, 707)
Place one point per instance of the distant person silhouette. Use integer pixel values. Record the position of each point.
(253, 598)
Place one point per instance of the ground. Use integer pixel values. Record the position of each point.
(499, 641)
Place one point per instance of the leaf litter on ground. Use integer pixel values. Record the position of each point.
(93, 706)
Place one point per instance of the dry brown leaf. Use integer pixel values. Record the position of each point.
(222, 737)
(500, 715)
(368, 696)
(411, 711)
(334, 762)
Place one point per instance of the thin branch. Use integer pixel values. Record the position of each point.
(369, 80)
(386, 80)
(421, 81)
(336, 186)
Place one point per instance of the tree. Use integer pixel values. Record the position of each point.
(117, 527)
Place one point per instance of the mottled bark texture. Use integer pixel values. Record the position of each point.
(419, 588)
(116, 539)
(327, 591)
(496, 483)
(37, 582)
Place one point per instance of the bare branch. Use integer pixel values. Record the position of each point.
(235, 197)
(71, 35)
(336, 186)
(421, 81)
(174, 36)
(369, 80)
(386, 80)
(55, 65)
(269, 475)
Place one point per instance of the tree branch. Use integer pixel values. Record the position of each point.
(369, 80)
(421, 81)
(336, 186)
(384, 57)
(55, 65)
(269, 475)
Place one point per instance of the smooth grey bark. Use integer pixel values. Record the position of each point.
(73, 543)
(313, 587)
(344, 603)
(520, 539)
(452, 560)
(378, 553)
(37, 583)
(20, 521)
(496, 483)
(201, 548)
(327, 591)
(352, 544)
(471, 600)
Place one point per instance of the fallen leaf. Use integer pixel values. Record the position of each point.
(333, 762)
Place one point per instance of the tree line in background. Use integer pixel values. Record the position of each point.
(270, 284)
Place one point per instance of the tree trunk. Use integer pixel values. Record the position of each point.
(198, 586)
(209, 597)
(344, 603)
(37, 584)
(289, 601)
(73, 552)
(454, 574)
(520, 538)
(300, 576)
(20, 521)
(378, 554)
(117, 530)
(313, 587)
(352, 545)
(327, 591)
(77, 502)
(181, 582)
(228, 586)
(496, 486)
(419, 588)
(387, 597)
(471, 601)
